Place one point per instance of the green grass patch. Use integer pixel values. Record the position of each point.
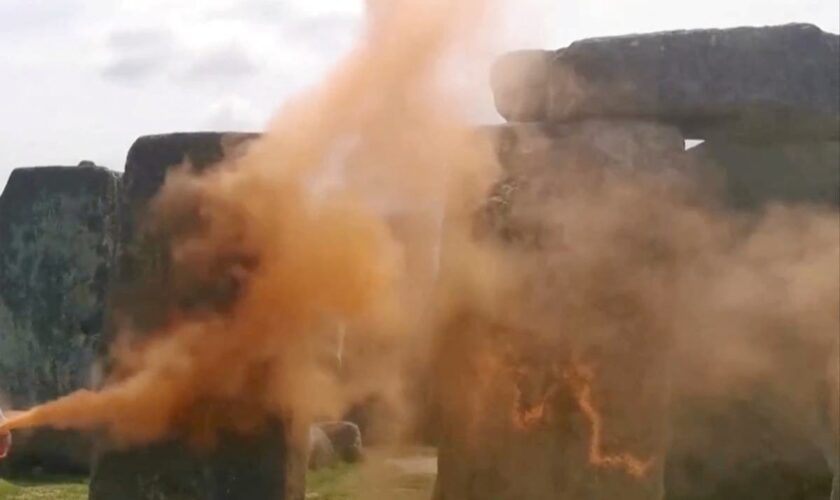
(49, 488)
(373, 480)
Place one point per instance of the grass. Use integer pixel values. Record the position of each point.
(54, 488)
(374, 479)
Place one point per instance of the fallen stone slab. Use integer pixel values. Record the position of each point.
(748, 83)
(58, 231)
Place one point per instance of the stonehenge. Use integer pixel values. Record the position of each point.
(76, 261)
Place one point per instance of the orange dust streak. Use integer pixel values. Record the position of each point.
(298, 254)
(581, 382)
(527, 418)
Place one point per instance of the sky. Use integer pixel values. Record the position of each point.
(82, 79)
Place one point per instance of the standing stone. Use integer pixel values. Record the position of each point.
(740, 445)
(752, 83)
(57, 242)
(270, 466)
(511, 425)
(751, 175)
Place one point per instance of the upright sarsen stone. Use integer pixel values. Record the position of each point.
(270, 466)
(57, 242)
(515, 407)
(744, 443)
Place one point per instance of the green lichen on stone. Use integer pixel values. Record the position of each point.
(57, 241)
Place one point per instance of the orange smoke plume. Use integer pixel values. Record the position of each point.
(302, 221)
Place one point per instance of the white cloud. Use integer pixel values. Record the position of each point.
(141, 38)
(89, 76)
(223, 62)
(235, 113)
(151, 52)
(251, 12)
(326, 34)
(21, 16)
(139, 53)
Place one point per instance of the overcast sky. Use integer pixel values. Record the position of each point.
(81, 79)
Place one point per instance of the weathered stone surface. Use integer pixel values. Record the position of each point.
(734, 447)
(737, 447)
(741, 445)
(776, 438)
(750, 83)
(511, 424)
(346, 439)
(321, 451)
(750, 176)
(142, 255)
(521, 82)
(530, 152)
(270, 466)
(57, 241)
(240, 467)
(623, 144)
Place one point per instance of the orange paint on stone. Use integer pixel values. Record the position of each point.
(580, 379)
